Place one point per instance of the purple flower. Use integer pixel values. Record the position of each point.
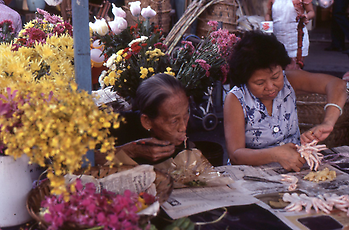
(88, 208)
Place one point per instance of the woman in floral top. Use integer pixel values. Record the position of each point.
(260, 114)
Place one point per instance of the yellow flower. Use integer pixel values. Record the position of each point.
(143, 72)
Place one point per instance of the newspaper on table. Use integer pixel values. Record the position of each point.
(189, 201)
(138, 179)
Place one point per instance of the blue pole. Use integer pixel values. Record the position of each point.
(82, 60)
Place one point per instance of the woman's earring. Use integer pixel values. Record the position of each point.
(148, 130)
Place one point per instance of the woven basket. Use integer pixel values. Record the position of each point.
(311, 112)
(163, 183)
(222, 12)
(162, 8)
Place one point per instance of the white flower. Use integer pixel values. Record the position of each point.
(100, 26)
(118, 25)
(118, 11)
(101, 79)
(110, 60)
(141, 39)
(135, 8)
(148, 12)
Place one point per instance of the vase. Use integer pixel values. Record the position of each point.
(15, 182)
(34, 4)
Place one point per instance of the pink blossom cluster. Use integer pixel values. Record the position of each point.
(224, 40)
(189, 46)
(53, 19)
(204, 65)
(90, 209)
(213, 24)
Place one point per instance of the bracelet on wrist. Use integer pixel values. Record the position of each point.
(335, 105)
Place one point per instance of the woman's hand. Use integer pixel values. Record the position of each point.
(319, 132)
(151, 149)
(288, 157)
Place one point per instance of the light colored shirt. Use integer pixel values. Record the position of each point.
(6, 13)
(285, 26)
(263, 130)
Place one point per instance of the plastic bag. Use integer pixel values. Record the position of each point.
(191, 169)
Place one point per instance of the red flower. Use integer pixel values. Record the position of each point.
(136, 49)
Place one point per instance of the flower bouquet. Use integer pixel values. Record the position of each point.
(42, 27)
(134, 53)
(115, 35)
(196, 67)
(200, 67)
(44, 115)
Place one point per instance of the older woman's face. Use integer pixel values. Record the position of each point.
(171, 123)
(265, 84)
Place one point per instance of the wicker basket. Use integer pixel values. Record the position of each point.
(311, 112)
(162, 8)
(163, 182)
(222, 12)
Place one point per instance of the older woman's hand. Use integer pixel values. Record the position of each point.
(319, 132)
(151, 149)
(289, 158)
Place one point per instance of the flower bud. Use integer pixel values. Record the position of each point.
(135, 8)
(148, 12)
(118, 25)
(97, 58)
(100, 26)
(118, 11)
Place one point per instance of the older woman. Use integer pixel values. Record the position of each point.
(260, 114)
(157, 125)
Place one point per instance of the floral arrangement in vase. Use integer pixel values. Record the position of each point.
(51, 121)
(54, 128)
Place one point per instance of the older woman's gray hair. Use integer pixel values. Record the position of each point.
(153, 91)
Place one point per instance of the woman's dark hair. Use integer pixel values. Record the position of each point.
(256, 50)
(153, 91)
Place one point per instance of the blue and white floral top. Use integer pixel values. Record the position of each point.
(262, 130)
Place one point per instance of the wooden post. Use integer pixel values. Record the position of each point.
(82, 60)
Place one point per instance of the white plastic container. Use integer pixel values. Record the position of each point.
(15, 184)
(267, 26)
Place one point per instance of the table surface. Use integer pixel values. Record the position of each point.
(245, 217)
